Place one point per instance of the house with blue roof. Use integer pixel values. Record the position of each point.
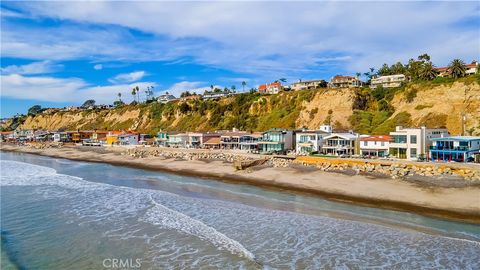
(457, 148)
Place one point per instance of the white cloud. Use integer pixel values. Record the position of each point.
(98, 67)
(310, 36)
(72, 90)
(42, 67)
(197, 87)
(128, 77)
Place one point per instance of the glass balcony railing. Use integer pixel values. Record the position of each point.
(443, 148)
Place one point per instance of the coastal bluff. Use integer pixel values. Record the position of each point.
(363, 110)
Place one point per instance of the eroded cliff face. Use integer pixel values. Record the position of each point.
(435, 106)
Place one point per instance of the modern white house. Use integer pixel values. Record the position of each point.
(413, 143)
(338, 144)
(309, 141)
(458, 148)
(375, 145)
(277, 140)
(165, 98)
(179, 140)
(307, 85)
(388, 81)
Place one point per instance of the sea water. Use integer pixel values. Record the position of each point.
(60, 214)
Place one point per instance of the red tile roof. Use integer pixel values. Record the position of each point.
(376, 138)
(264, 86)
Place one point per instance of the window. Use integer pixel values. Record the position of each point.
(413, 139)
(383, 143)
(413, 152)
(365, 143)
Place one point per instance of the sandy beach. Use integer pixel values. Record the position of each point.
(457, 203)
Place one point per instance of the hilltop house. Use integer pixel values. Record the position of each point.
(469, 69)
(308, 85)
(340, 81)
(340, 144)
(270, 88)
(375, 146)
(309, 141)
(389, 81)
(458, 148)
(277, 140)
(165, 98)
(413, 143)
(216, 94)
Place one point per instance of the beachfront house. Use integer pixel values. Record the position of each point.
(270, 88)
(389, 81)
(196, 139)
(128, 138)
(413, 143)
(161, 138)
(340, 144)
(375, 145)
(249, 141)
(308, 85)
(277, 141)
(340, 81)
(309, 141)
(177, 140)
(212, 143)
(231, 140)
(458, 148)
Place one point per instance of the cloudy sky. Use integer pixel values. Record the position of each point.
(62, 53)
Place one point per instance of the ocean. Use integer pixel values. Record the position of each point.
(61, 214)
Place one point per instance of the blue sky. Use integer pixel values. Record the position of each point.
(61, 53)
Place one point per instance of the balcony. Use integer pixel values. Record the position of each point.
(442, 148)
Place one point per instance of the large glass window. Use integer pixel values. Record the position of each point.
(400, 138)
(413, 139)
(413, 152)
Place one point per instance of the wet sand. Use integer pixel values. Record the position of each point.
(457, 203)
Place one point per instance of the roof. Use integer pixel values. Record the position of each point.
(376, 138)
(213, 140)
(312, 131)
(234, 134)
(264, 86)
(348, 136)
(457, 138)
(307, 81)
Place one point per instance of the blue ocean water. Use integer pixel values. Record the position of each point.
(61, 214)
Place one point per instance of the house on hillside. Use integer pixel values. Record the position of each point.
(375, 145)
(413, 143)
(309, 141)
(470, 69)
(308, 85)
(458, 148)
(389, 81)
(340, 81)
(338, 144)
(165, 98)
(276, 140)
(270, 88)
(216, 94)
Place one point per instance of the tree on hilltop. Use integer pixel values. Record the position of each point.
(34, 110)
(457, 68)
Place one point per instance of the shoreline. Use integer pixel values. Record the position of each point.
(452, 203)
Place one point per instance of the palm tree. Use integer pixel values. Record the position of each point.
(282, 80)
(243, 85)
(457, 68)
(358, 74)
(138, 93)
(233, 88)
(428, 71)
(134, 93)
(119, 96)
